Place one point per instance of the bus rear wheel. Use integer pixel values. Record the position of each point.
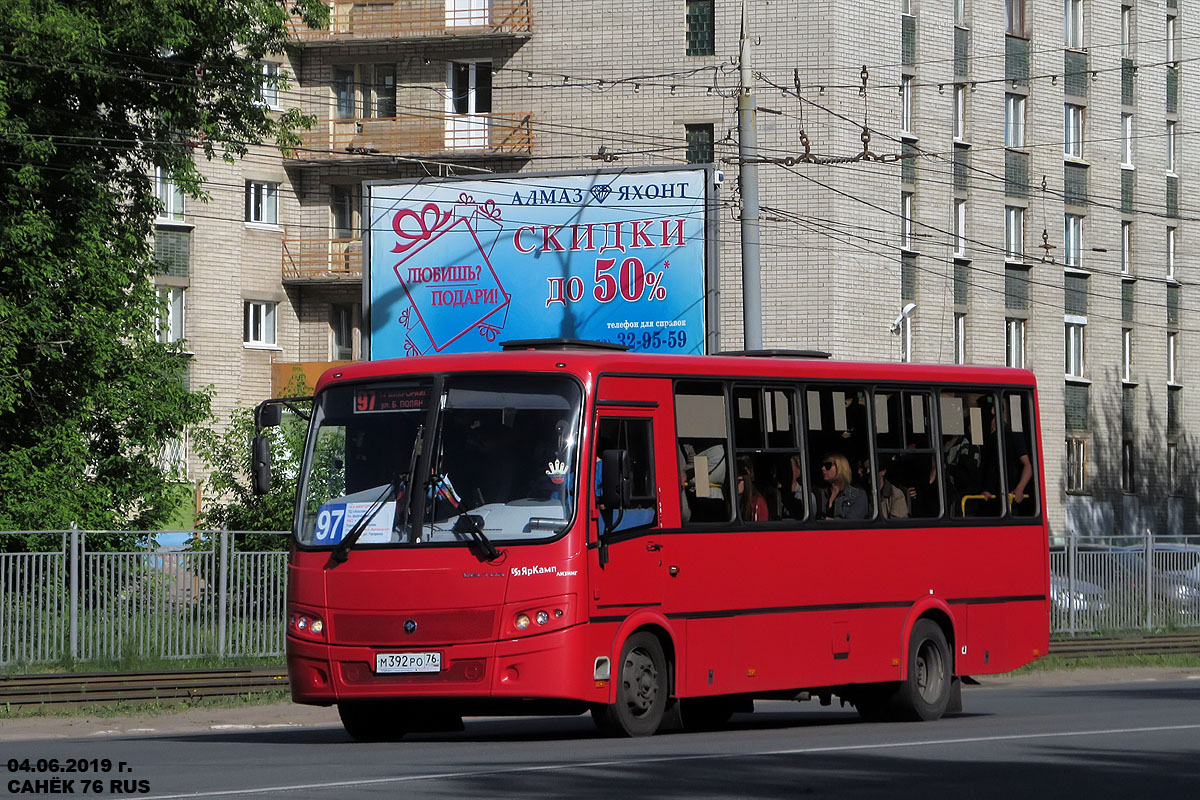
(641, 690)
(925, 693)
(368, 721)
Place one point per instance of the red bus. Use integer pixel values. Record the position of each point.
(565, 526)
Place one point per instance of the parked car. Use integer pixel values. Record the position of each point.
(1084, 597)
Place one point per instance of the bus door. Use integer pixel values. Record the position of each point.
(626, 564)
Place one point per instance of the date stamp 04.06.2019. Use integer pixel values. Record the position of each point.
(56, 777)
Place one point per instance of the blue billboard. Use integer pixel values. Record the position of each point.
(456, 266)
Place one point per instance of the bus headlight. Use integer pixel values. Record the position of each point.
(522, 621)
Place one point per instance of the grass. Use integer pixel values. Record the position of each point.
(1059, 663)
(130, 663)
(148, 708)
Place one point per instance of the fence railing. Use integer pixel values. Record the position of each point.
(219, 599)
(212, 598)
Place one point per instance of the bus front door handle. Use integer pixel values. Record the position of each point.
(653, 547)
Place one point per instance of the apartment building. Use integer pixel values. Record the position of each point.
(1013, 171)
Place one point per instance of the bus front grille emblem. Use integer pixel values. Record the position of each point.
(410, 626)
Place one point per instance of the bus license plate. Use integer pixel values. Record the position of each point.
(408, 662)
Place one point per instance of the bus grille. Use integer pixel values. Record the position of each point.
(432, 627)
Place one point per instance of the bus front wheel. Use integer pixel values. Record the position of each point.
(925, 693)
(641, 689)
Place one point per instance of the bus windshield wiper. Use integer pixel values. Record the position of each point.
(342, 551)
(473, 524)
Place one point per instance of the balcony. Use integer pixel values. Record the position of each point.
(419, 19)
(422, 135)
(321, 259)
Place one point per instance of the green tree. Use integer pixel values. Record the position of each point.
(94, 96)
(230, 501)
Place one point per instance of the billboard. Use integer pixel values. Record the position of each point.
(455, 266)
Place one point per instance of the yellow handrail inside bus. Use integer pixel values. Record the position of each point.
(1012, 500)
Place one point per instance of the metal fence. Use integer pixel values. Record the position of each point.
(210, 598)
(221, 600)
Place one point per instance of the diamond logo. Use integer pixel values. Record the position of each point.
(601, 193)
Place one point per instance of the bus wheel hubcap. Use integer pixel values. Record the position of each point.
(641, 685)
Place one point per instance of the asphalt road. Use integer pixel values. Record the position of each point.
(1102, 740)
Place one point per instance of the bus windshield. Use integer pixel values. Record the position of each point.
(503, 450)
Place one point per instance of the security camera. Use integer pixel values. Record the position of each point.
(718, 177)
(904, 313)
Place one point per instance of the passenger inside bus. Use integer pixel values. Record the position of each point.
(893, 501)
(840, 499)
(751, 504)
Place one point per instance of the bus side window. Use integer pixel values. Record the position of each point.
(769, 463)
(1019, 461)
(907, 480)
(971, 453)
(635, 436)
(838, 435)
(701, 425)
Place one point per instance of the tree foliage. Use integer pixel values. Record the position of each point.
(229, 499)
(94, 96)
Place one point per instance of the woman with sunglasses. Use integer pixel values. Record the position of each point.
(840, 500)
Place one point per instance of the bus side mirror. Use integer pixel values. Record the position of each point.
(260, 464)
(267, 414)
(616, 479)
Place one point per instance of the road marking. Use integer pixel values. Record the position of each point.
(622, 762)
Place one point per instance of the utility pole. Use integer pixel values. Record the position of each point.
(748, 185)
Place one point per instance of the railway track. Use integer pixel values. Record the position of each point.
(60, 690)
(137, 687)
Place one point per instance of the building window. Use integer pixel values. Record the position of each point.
(259, 323)
(1073, 240)
(1126, 248)
(960, 111)
(1076, 466)
(262, 202)
(701, 18)
(268, 87)
(1073, 23)
(1170, 144)
(1127, 354)
(906, 220)
(343, 323)
(382, 103)
(170, 314)
(1014, 120)
(960, 228)
(1173, 467)
(1014, 343)
(1127, 466)
(470, 87)
(170, 198)
(1076, 347)
(1127, 140)
(700, 148)
(960, 338)
(1014, 233)
(343, 208)
(1072, 130)
(906, 99)
(1173, 371)
(346, 106)
(1172, 236)
(1126, 31)
(1014, 17)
